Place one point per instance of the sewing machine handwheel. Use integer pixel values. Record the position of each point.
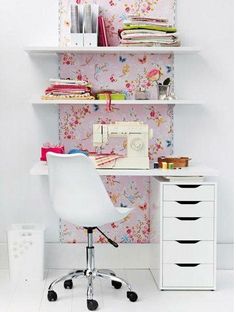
(136, 144)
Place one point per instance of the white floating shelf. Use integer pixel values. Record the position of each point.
(41, 169)
(124, 102)
(110, 50)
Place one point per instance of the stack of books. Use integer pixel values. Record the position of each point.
(68, 90)
(146, 31)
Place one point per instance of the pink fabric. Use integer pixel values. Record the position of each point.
(45, 150)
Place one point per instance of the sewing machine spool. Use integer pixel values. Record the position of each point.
(179, 162)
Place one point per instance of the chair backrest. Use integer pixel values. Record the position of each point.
(77, 191)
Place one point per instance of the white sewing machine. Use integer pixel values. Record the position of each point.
(138, 135)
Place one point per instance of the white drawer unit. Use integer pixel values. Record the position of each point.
(186, 192)
(183, 252)
(188, 275)
(188, 251)
(184, 228)
(188, 209)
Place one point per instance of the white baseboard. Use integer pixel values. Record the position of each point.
(128, 256)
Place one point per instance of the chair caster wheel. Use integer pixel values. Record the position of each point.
(68, 284)
(132, 296)
(92, 304)
(116, 285)
(52, 295)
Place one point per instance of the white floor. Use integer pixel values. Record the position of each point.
(32, 297)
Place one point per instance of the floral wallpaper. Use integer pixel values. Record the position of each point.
(124, 73)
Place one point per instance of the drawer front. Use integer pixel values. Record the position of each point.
(189, 192)
(188, 209)
(188, 229)
(188, 252)
(201, 275)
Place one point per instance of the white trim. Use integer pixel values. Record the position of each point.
(127, 256)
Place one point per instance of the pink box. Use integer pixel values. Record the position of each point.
(45, 150)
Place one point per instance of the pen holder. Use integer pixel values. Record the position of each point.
(163, 92)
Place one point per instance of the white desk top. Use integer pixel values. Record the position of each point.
(41, 168)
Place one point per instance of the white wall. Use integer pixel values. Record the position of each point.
(205, 133)
(23, 128)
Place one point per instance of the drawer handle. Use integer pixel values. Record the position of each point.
(187, 265)
(187, 202)
(187, 185)
(187, 218)
(188, 241)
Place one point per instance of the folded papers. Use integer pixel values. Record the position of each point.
(68, 89)
(102, 160)
(145, 31)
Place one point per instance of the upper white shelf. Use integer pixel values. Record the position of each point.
(38, 101)
(41, 169)
(109, 50)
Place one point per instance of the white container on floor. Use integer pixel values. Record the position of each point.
(26, 252)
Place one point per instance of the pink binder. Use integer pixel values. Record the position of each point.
(102, 35)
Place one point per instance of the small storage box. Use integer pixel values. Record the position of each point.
(114, 96)
(26, 252)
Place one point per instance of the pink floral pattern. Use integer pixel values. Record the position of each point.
(114, 12)
(76, 124)
(125, 73)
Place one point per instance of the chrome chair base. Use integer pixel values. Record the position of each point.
(90, 273)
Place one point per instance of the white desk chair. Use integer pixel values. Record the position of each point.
(79, 197)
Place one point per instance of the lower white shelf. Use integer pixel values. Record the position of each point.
(41, 169)
(38, 101)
